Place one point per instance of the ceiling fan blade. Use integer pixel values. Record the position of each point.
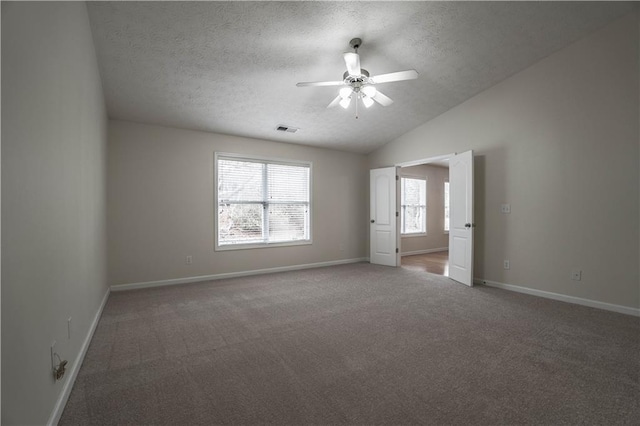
(382, 99)
(320, 83)
(395, 76)
(353, 63)
(334, 102)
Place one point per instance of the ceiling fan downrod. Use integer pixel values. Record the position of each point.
(355, 43)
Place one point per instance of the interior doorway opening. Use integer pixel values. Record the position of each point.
(424, 215)
(388, 223)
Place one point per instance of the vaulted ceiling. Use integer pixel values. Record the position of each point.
(232, 67)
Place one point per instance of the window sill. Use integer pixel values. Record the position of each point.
(419, 234)
(228, 247)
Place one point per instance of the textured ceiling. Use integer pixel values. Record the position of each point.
(232, 67)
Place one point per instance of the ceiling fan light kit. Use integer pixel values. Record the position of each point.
(358, 83)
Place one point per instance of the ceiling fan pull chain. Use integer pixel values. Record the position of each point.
(357, 99)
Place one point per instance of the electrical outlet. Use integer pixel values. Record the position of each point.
(505, 209)
(189, 260)
(507, 264)
(576, 275)
(69, 328)
(341, 247)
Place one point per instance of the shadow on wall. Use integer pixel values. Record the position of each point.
(479, 191)
(491, 226)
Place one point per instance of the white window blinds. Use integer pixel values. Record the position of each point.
(262, 201)
(413, 201)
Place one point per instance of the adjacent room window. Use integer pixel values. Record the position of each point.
(446, 206)
(262, 202)
(413, 202)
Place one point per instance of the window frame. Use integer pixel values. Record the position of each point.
(269, 160)
(426, 204)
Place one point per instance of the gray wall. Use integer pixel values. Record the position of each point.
(436, 238)
(53, 198)
(559, 142)
(161, 206)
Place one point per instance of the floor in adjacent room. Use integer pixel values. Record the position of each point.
(354, 344)
(435, 263)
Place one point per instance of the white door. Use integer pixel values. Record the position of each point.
(383, 231)
(461, 218)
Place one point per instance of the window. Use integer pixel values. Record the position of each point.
(446, 206)
(413, 201)
(261, 202)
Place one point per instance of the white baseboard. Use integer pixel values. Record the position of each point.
(433, 250)
(561, 297)
(75, 368)
(186, 280)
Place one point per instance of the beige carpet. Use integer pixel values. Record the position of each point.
(355, 344)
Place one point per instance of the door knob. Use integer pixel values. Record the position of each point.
(467, 225)
(373, 221)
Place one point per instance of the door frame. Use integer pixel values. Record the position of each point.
(425, 160)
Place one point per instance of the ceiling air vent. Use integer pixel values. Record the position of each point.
(288, 129)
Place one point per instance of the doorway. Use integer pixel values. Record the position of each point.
(387, 224)
(424, 216)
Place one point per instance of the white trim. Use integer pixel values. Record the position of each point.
(411, 176)
(414, 235)
(250, 246)
(75, 368)
(433, 250)
(562, 297)
(263, 159)
(425, 160)
(187, 280)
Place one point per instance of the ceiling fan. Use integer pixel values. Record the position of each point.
(359, 84)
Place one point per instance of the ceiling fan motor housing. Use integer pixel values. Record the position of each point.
(350, 79)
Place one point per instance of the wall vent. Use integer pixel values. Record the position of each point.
(288, 129)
